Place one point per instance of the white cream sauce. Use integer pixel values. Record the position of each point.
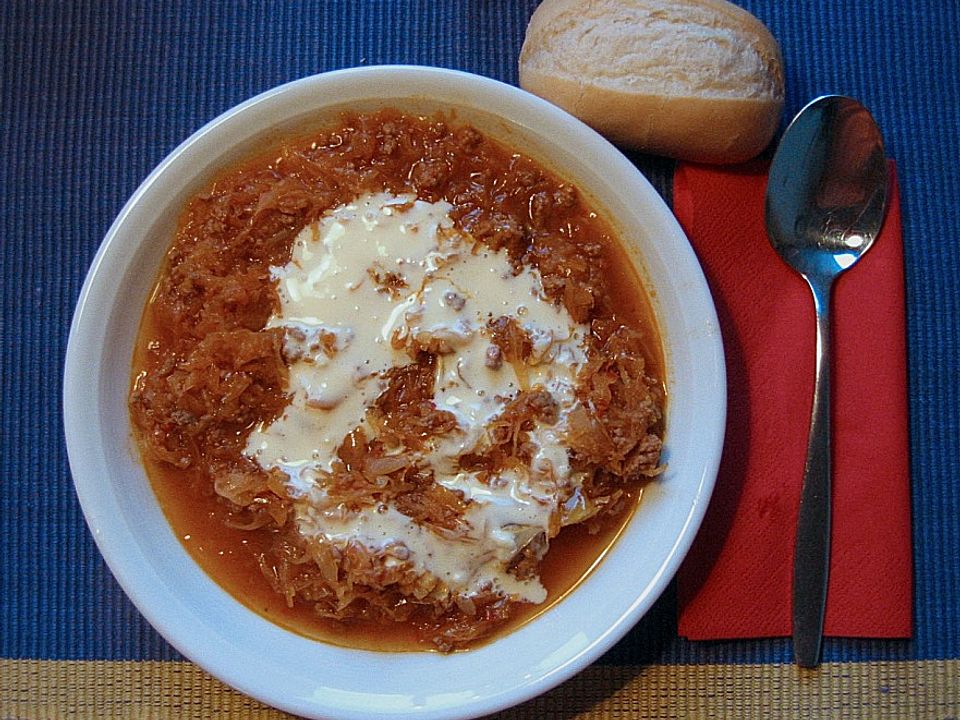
(345, 329)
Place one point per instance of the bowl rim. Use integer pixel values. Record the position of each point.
(84, 441)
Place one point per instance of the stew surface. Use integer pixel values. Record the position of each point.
(397, 386)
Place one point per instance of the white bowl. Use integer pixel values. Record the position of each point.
(310, 678)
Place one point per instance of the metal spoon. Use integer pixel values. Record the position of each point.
(826, 198)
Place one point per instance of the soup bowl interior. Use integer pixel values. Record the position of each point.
(311, 678)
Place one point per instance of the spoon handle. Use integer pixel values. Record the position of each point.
(811, 563)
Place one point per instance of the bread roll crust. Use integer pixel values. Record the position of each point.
(697, 80)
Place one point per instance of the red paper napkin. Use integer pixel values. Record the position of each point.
(736, 581)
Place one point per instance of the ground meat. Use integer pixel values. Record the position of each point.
(454, 300)
(500, 231)
(429, 174)
(493, 358)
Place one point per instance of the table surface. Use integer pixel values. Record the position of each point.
(94, 94)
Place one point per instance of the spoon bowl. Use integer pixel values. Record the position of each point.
(827, 187)
(825, 203)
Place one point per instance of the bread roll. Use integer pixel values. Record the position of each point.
(697, 80)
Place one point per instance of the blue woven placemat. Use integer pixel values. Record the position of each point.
(94, 94)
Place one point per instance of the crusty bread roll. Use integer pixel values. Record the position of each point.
(697, 80)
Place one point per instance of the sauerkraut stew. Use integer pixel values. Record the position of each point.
(397, 385)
